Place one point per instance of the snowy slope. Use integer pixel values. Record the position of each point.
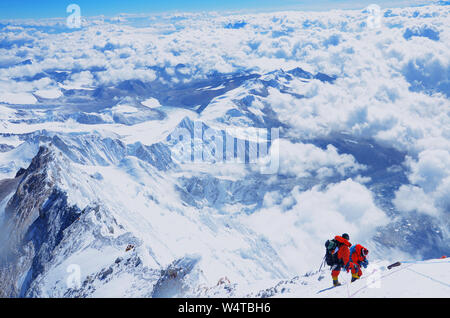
(109, 208)
(418, 279)
(412, 279)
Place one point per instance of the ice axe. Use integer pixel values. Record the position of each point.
(394, 265)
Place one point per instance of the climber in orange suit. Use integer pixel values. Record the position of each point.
(343, 257)
(358, 258)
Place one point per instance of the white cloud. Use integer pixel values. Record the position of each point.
(412, 198)
(17, 98)
(79, 80)
(430, 189)
(432, 167)
(305, 160)
(151, 103)
(299, 226)
(49, 93)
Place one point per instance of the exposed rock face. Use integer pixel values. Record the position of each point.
(41, 229)
(7, 186)
(47, 231)
(5, 148)
(35, 218)
(21, 212)
(173, 281)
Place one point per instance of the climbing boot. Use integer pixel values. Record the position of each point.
(336, 282)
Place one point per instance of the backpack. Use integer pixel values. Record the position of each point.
(331, 257)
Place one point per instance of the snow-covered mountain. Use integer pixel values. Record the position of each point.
(222, 175)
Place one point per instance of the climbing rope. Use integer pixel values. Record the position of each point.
(429, 277)
(392, 272)
(426, 262)
(410, 263)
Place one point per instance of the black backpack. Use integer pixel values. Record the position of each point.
(330, 257)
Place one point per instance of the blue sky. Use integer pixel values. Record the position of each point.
(17, 9)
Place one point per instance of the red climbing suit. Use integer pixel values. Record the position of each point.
(358, 256)
(343, 255)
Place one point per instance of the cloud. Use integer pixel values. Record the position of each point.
(151, 103)
(49, 93)
(307, 160)
(17, 98)
(412, 198)
(210, 42)
(432, 167)
(11, 41)
(388, 87)
(299, 226)
(80, 80)
(429, 190)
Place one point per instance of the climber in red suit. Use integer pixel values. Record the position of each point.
(343, 257)
(358, 258)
